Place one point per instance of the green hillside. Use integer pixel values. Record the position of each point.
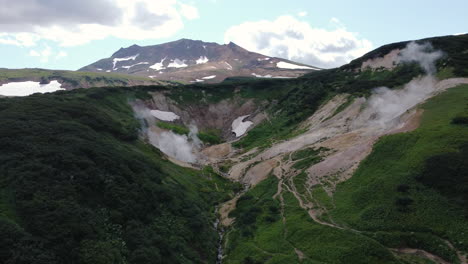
(77, 186)
(75, 79)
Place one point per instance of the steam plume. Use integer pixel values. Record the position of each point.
(180, 147)
(385, 105)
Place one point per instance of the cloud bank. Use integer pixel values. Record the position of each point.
(289, 38)
(77, 22)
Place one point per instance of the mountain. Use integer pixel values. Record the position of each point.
(191, 61)
(365, 163)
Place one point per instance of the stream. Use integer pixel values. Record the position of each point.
(220, 229)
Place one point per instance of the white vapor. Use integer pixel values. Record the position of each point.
(386, 105)
(422, 54)
(181, 147)
(176, 146)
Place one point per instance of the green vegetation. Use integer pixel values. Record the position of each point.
(306, 157)
(212, 136)
(260, 236)
(415, 182)
(178, 129)
(74, 78)
(77, 186)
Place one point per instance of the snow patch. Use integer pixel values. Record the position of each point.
(140, 63)
(261, 76)
(99, 69)
(124, 59)
(197, 81)
(239, 127)
(164, 116)
(286, 65)
(177, 64)
(108, 71)
(263, 59)
(229, 67)
(209, 77)
(202, 60)
(159, 65)
(28, 88)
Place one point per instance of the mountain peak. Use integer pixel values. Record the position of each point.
(188, 60)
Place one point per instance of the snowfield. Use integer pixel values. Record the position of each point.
(286, 65)
(128, 67)
(209, 77)
(177, 64)
(164, 116)
(124, 59)
(28, 88)
(239, 127)
(202, 60)
(229, 67)
(158, 66)
(261, 76)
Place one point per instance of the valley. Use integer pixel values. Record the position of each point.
(365, 163)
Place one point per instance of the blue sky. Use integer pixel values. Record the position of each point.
(321, 33)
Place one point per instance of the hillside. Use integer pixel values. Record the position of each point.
(365, 163)
(192, 61)
(67, 80)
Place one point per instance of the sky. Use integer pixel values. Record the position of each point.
(58, 34)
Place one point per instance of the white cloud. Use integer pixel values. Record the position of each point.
(43, 54)
(19, 39)
(189, 12)
(302, 14)
(61, 54)
(138, 20)
(34, 53)
(289, 38)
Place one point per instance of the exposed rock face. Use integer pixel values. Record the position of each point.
(389, 61)
(192, 61)
(211, 116)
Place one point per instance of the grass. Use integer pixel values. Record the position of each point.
(274, 242)
(178, 129)
(445, 73)
(76, 79)
(306, 157)
(322, 196)
(212, 136)
(387, 193)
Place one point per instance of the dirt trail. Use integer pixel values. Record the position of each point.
(420, 253)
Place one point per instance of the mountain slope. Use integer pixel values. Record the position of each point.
(196, 61)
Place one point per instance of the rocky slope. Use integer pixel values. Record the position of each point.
(191, 61)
